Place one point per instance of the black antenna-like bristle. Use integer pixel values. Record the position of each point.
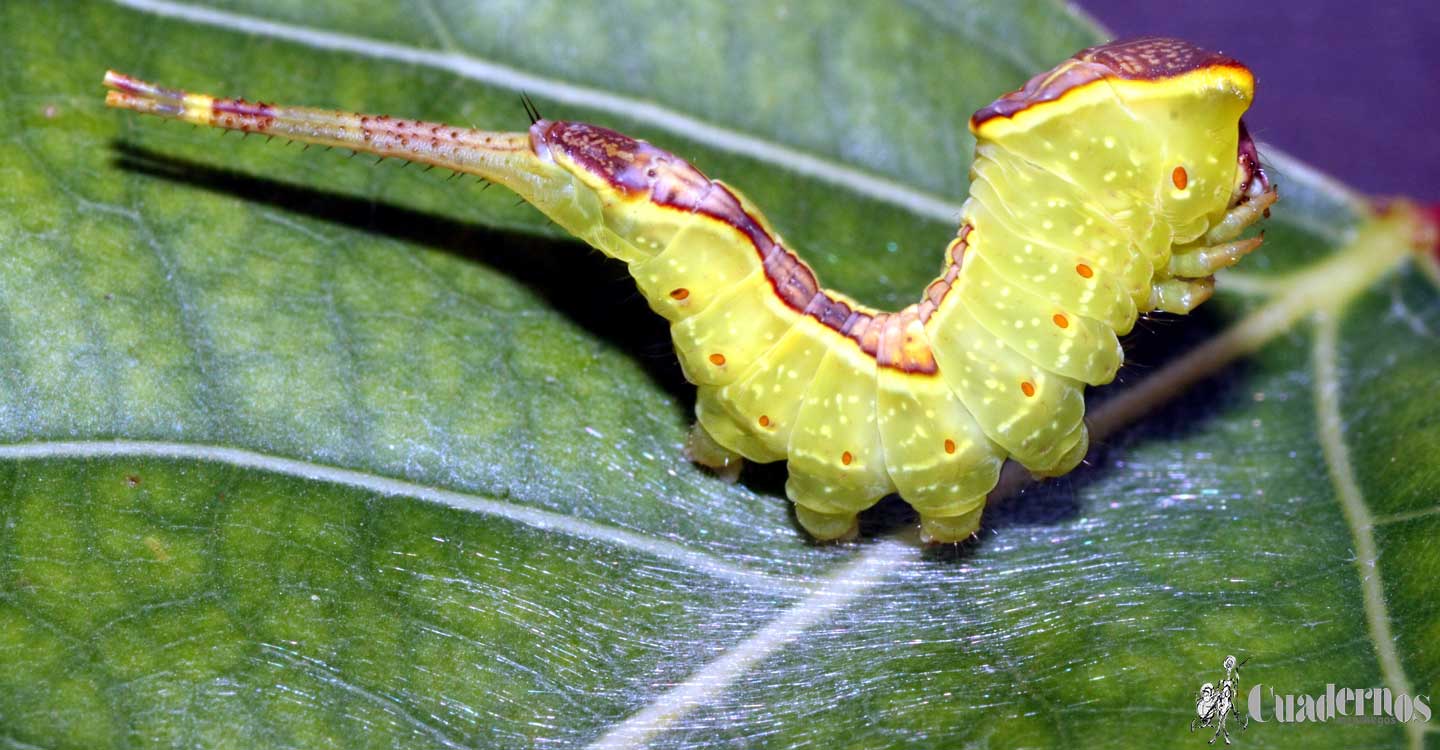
(530, 110)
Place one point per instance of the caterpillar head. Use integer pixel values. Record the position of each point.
(1250, 179)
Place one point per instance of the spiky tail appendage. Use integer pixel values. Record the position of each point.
(508, 159)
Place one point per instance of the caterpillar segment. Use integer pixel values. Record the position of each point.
(1110, 186)
(1081, 259)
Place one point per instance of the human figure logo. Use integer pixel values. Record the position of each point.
(1216, 705)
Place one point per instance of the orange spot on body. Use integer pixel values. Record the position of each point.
(1027, 388)
(680, 293)
(949, 445)
(1084, 271)
(717, 359)
(846, 458)
(1061, 320)
(764, 421)
(1180, 178)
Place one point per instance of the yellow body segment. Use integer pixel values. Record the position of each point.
(755, 414)
(1023, 407)
(1110, 186)
(703, 261)
(722, 341)
(939, 458)
(1049, 335)
(837, 459)
(629, 228)
(1057, 246)
(1036, 208)
(1119, 142)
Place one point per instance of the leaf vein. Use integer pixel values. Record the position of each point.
(831, 594)
(861, 182)
(1356, 512)
(1409, 515)
(534, 517)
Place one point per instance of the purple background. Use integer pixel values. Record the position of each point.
(1351, 87)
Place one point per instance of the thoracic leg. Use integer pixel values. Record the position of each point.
(1241, 216)
(1191, 266)
(1194, 263)
(703, 450)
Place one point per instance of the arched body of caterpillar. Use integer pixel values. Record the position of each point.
(1113, 185)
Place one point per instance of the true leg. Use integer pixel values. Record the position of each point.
(1241, 216)
(1191, 267)
(1195, 263)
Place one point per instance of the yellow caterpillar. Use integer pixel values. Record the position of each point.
(1113, 185)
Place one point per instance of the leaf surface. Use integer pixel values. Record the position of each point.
(302, 452)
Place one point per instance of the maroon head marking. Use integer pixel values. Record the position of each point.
(631, 166)
(636, 169)
(1152, 58)
(1144, 59)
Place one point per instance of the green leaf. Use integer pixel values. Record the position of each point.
(302, 451)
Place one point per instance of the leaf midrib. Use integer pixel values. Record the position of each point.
(386, 486)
